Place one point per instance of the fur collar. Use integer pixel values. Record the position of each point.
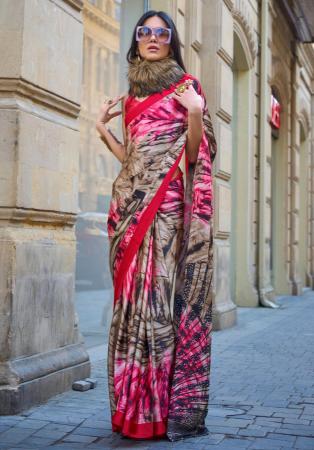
(147, 77)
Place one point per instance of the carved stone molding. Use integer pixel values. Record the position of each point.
(229, 4)
(225, 56)
(304, 118)
(27, 215)
(101, 19)
(222, 235)
(76, 4)
(18, 87)
(224, 115)
(223, 175)
(245, 31)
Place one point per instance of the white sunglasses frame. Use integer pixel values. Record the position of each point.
(153, 33)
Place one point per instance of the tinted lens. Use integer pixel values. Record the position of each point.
(162, 34)
(144, 33)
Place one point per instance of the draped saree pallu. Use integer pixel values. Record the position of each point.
(161, 251)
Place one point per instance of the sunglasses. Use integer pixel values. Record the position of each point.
(144, 33)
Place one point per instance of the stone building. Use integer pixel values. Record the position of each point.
(59, 60)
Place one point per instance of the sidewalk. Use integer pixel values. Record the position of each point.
(262, 393)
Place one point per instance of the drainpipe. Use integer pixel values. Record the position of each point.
(264, 301)
(146, 5)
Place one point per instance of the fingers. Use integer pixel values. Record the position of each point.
(176, 96)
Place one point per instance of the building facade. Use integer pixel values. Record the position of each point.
(255, 60)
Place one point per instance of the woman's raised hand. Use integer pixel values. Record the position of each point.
(105, 115)
(189, 98)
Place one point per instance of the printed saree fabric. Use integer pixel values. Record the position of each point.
(160, 230)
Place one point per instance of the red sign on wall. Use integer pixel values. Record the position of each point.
(275, 112)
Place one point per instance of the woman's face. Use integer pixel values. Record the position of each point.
(152, 49)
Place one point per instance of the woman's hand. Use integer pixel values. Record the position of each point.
(194, 103)
(105, 115)
(189, 99)
(106, 135)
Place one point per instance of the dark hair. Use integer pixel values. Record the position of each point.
(174, 43)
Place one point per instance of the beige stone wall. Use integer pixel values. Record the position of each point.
(40, 79)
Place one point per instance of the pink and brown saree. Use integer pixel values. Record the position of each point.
(161, 259)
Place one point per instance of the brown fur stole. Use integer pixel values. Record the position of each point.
(147, 77)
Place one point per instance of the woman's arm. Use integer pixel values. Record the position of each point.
(106, 135)
(195, 132)
(193, 102)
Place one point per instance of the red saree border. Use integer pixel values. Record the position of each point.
(141, 229)
(138, 430)
(149, 101)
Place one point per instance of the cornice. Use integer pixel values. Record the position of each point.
(18, 87)
(100, 18)
(27, 215)
(76, 4)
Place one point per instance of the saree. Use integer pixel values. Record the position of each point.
(160, 230)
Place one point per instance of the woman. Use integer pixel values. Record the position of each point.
(161, 236)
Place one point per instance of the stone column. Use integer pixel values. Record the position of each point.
(295, 180)
(40, 79)
(311, 211)
(216, 55)
(265, 288)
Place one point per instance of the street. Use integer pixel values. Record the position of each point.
(262, 393)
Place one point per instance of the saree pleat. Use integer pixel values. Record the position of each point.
(161, 238)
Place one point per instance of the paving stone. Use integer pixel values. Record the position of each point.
(79, 438)
(307, 417)
(15, 435)
(88, 431)
(304, 443)
(269, 419)
(236, 443)
(297, 421)
(295, 432)
(96, 424)
(37, 442)
(31, 424)
(262, 411)
(58, 418)
(223, 429)
(241, 423)
(297, 426)
(271, 444)
(52, 434)
(282, 437)
(250, 432)
(68, 446)
(275, 402)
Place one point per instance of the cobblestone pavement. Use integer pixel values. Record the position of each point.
(262, 393)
